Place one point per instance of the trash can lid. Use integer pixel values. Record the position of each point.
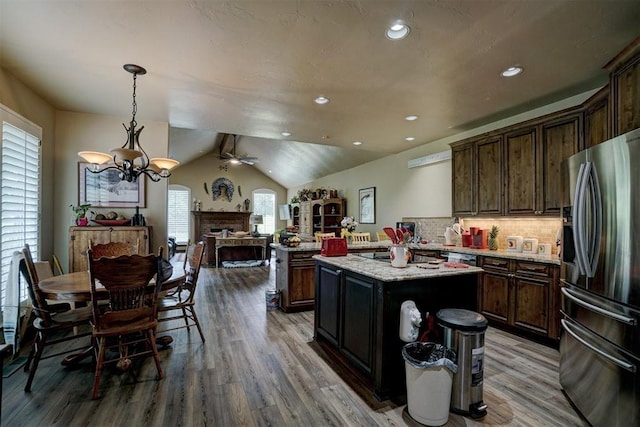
(464, 320)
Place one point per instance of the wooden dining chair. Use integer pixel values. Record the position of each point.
(57, 267)
(381, 235)
(113, 249)
(321, 236)
(360, 238)
(128, 322)
(53, 323)
(182, 300)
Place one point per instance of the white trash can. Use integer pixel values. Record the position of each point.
(429, 371)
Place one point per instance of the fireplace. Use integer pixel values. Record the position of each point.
(206, 221)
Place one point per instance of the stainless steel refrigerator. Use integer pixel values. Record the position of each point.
(600, 341)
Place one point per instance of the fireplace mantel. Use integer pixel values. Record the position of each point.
(204, 221)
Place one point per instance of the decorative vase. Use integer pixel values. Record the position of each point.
(82, 221)
(400, 255)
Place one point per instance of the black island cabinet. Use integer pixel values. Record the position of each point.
(357, 311)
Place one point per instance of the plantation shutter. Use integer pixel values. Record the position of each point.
(20, 195)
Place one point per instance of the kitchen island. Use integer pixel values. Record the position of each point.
(357, 310)
(295, 271)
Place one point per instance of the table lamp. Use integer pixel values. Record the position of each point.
(256, 220)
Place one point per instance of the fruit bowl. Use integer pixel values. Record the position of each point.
(108, 222)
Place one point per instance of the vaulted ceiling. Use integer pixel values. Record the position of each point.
(253, 68)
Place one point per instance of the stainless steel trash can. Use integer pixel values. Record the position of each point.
(464, 333)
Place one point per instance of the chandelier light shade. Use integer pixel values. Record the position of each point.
(130, 160)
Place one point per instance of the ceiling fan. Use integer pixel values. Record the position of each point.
(232, 157)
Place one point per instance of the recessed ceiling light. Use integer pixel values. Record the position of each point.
(512, 71)
(285, 133)
(397, 31)
(269, 170)
(409, 138)
(321, 100)
(357, 143)
(411, 118)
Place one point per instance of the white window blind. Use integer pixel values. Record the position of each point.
(20, 196)
(178, 213)
(264, 203)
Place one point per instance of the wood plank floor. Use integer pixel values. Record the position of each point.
(262, 368)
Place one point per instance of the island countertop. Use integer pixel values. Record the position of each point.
(383, 271)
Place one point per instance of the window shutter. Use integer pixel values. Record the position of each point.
(19, 199)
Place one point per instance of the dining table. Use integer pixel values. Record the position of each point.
(76, 288)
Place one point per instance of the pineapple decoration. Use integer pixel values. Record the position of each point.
(493, 238)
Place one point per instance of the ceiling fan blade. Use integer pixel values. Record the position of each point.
(248, 161)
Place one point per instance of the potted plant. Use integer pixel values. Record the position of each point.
(81, 213)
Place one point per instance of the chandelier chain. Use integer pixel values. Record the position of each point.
(135, 105)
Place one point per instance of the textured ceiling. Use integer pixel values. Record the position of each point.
(253, 68)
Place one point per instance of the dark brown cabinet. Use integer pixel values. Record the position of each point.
(596, 118)
(294, 279)
(520, 171)
(624, 85)
(520, 294)
(477, 177)
(515, 171)
(559, 139)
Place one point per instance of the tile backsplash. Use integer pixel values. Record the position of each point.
(543, 229)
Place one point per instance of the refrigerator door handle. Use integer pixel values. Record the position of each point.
(578, 206)
(620, 318)
(621, 363)
(596, 209)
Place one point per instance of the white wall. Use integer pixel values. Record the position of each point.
(419, 192)
(245, 178)
(78, 131)
(22, 100)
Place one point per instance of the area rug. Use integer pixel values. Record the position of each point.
(242, 264)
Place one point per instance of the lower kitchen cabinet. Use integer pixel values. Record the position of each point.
(358, 306)
(359, 317)
(520, 295)
(294, 279)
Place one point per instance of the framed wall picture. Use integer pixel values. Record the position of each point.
(367, 197)
(107, 190)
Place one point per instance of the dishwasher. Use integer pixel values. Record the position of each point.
(461, 258)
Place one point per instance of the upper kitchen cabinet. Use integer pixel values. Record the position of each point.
(596, 118)
(521, 179)
(477, 177)
(624, 83)
(560, 138)
(533, 159)
(515, 171)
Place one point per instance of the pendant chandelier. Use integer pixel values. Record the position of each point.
(130, 160)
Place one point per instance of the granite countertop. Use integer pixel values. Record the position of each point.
(383, 271)
(315, 246)
(548, 259)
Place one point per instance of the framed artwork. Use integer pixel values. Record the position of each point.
(107, 190)
(367, 197)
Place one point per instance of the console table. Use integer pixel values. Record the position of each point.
(221, 242)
